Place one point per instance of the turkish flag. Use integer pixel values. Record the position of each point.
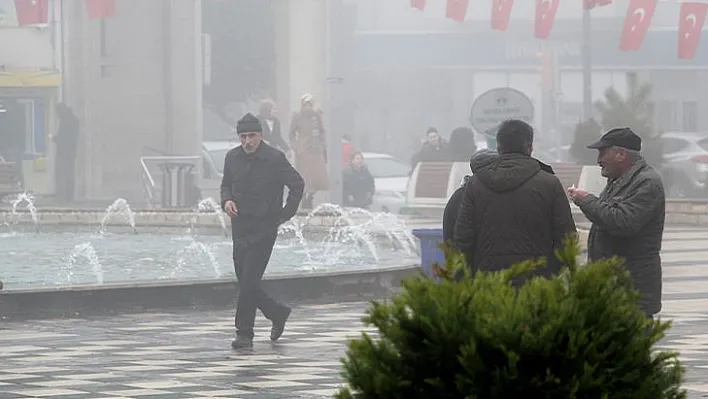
(590, 4)
(692, 18)
(419, 4)
(457, 9)
(32, 12)
(100, 8)
(545, 15)
(501, 13)
(636, 24)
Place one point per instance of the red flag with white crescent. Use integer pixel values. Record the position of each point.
(636, 24)
(691, 21)
(501, 14)
(32, 12)
(456, 9)
(545, 16)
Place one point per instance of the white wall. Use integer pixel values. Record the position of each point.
(26, 48)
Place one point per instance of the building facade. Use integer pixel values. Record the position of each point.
(417, 69)
(29, 87)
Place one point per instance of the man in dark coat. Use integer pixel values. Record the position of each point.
(271, 126)
(255, 175)
(434, 149)
(513, 210)
(628, 216)
(66, 141)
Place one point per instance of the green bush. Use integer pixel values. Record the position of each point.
(578, 335)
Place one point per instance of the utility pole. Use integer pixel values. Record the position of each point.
(587, 65)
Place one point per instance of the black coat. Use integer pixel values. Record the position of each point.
(360, 185)
(452, 209)
(274, 136)
(429, 153)
(512, 211)
(255, 182)
(628, 222)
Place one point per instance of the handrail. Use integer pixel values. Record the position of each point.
(149, 181)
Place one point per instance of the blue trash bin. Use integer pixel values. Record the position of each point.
(430, 252)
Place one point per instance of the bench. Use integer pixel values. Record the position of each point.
(9, 179)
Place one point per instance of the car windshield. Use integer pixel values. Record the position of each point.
(386, 167)
(218, 157)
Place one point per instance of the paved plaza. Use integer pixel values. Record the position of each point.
(187, 354)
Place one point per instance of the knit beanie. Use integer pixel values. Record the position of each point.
(249, 124)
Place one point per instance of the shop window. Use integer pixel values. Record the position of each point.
(689, 113)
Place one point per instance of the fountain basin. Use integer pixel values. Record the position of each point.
(88, 300)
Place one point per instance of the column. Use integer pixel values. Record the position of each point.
(301, 53)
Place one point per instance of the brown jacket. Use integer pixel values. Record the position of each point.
(512, 211)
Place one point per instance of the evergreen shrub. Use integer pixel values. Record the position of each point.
(578, 335)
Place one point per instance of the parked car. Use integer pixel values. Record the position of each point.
(391, 177)
(685, 164)
(213, 156)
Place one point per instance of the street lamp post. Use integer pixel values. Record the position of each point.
(587, 65)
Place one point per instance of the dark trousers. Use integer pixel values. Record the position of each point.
(65, 178)
(250, 261)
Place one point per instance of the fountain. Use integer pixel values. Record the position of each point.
(209, 205)
(87, 252)
(28, 199)
(122, 208)
(343, 240)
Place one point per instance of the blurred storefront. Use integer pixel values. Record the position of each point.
(414, 69)
(26, 123)
(30, 84)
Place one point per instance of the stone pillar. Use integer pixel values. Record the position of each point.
(137, 93)
(300, 53)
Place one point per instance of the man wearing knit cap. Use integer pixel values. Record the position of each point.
(628, 216)
(255, 175)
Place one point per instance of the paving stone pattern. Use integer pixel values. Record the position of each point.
(187, 354)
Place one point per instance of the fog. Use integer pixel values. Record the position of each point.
(161, 78)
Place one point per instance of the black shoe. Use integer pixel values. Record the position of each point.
(279, 325)
(242, 342)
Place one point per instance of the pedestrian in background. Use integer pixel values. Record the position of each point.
(358, 183)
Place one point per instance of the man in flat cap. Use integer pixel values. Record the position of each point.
(255, 175)
(628, 216)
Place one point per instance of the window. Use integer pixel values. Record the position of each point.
(665, 115)
(672, 144)
(387, 167)
(689, 113)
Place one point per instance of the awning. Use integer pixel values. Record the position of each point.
(30, 78)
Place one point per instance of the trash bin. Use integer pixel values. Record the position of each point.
(430, 252)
